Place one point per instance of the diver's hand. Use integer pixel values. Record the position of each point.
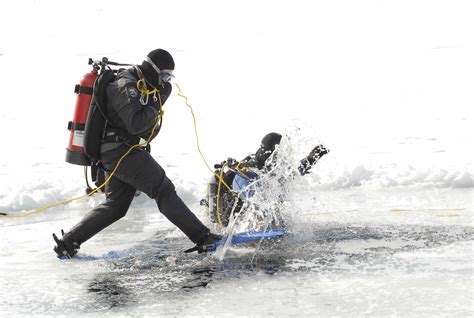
(316, 154)
(311, 159)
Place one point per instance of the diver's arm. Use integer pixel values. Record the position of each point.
(307, 163)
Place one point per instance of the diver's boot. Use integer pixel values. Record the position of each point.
(65, 248)
(206, 244)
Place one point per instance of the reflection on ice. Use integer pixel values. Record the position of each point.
(109, 293)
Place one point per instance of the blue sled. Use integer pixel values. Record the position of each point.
(240, 238)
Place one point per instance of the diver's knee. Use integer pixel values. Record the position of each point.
(115, 209)
(165, 188)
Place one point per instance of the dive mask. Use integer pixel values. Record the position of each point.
(165, 76)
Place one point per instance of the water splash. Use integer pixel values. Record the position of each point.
(279, 191)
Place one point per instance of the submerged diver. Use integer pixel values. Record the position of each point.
(133, 116)
(233, 182)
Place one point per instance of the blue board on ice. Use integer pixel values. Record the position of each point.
(252, 236)
(242, 238)
(236, 239)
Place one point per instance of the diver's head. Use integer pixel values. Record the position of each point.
(267, 147)
(158, 67)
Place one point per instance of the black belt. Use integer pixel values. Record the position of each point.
(119, 135)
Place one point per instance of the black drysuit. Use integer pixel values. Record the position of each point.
(138, 170)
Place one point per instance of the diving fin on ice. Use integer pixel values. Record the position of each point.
(207, 244)
(1, 213)
(239, 239)
(202, 248)
(65, 248)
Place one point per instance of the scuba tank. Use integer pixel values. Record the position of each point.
(220, 200)
(75, 149)
(87, 127)
(90, 118)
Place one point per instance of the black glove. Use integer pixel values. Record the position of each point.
(312, 158)
(316, 154)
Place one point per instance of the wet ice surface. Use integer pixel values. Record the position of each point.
(375, 260)
(360, 242)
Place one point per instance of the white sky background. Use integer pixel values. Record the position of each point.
(360, 72)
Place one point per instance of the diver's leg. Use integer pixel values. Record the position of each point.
(142, 172)
(119, 196)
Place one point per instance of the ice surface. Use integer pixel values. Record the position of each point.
(383, 226)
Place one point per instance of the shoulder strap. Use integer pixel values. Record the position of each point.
(100, 94)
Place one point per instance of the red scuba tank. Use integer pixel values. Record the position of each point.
(75, 150)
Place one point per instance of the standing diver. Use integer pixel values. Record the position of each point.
(133, 116)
